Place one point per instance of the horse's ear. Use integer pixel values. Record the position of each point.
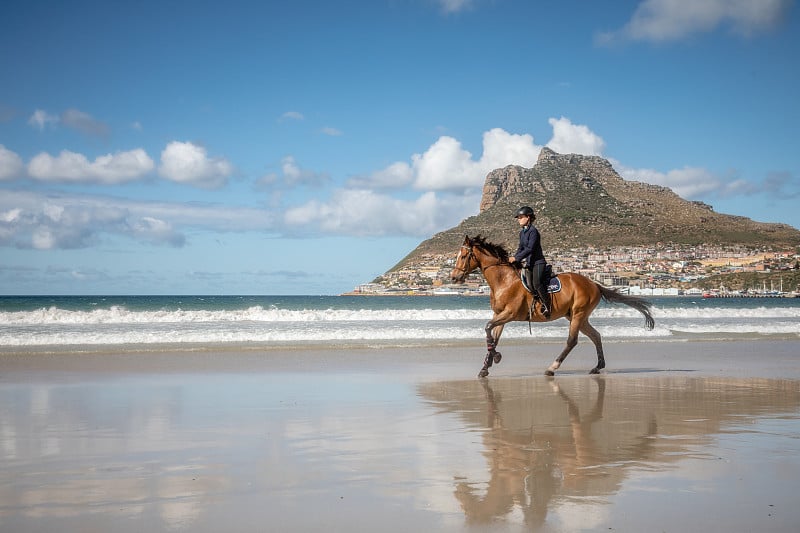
(466, 239)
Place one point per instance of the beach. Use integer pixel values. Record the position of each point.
(673, 436)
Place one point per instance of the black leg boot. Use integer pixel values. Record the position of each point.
(544, 298)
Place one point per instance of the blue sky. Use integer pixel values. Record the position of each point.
(306, 147)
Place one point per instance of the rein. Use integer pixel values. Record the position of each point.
(487, 267)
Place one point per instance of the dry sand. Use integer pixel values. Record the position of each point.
(694, 436)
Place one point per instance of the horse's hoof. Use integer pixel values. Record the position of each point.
(497, 357)
(594, 371)
(549, 373)
(483, 373)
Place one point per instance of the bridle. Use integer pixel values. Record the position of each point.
(471, 255)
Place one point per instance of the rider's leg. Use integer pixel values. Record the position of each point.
(528, 275)
(544, 296)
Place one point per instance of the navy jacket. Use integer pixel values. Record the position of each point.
(530, 247)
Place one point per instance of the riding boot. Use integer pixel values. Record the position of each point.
(544, 297)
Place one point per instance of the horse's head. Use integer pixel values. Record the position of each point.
(465, 262)
(475, 253)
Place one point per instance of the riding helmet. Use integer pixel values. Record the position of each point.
(524, 211)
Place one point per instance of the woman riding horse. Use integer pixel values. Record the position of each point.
(511, 301)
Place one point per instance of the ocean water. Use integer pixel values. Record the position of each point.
(195, 322)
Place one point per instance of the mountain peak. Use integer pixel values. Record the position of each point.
(513, 180)
(546, 154)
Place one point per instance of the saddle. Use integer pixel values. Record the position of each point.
(549, 280)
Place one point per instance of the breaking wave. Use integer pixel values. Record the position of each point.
(119, 324)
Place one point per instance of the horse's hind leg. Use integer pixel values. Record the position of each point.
(572, 341)
(594, 335)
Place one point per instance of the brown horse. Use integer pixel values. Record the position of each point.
(510, 301)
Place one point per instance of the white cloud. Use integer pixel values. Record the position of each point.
(185, 162)
(294, 175)
(154, 229)
(291, 175)
(671, 20)
(359, 212)
(35, 220)
(43, 239)
(569, 138)
(445, 165)
(107, 169)
(42, 119)
(11, 166)
(501, 149)
(293, 115)
(12, 215)
(396, 175)
(45, 222)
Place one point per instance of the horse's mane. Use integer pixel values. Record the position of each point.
(492, 249)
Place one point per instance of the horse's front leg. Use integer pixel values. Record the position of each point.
(493, 331)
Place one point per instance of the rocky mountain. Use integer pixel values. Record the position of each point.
(581, 201)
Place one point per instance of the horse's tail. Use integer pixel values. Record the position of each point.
(640, 304)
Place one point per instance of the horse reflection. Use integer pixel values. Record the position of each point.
(547, 442)
(528, 467)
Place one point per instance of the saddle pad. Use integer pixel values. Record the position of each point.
(554, 285)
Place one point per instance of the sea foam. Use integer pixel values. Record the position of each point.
(118, 324)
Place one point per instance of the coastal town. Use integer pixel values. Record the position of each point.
(648, 271)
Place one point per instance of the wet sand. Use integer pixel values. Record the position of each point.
(694, 436)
